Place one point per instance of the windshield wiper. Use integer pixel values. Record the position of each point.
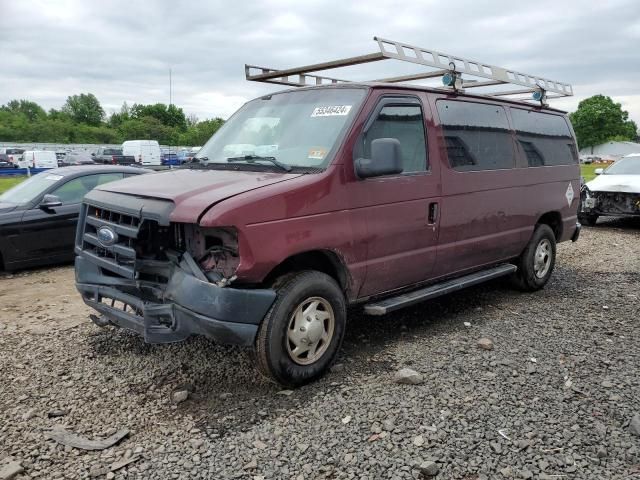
(253, 158)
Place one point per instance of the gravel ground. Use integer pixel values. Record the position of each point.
(553, 399)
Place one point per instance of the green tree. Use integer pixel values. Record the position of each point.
(599, 119)
(28, 108)
(84, 108)
(170, 116)
(117, 118)
(199, 133)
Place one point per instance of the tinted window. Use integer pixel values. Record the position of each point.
(544, 138)
(403, 122)
(112, 151)
(74, 190)
(476, 135)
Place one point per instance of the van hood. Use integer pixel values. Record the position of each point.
(615, 183)
(194, 191)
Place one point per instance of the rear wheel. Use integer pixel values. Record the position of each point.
(301, 334)
(536, 263)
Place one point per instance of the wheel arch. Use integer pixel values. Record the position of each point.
(323, 260)
(554, 220)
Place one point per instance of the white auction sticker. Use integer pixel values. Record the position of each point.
(330, 111)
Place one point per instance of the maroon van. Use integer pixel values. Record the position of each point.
(310, 200)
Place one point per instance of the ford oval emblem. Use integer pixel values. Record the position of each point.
(106, 236)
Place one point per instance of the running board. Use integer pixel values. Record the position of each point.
(411, 298)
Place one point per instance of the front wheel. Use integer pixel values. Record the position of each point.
(536, 262)
(301, 334)
(588, 219)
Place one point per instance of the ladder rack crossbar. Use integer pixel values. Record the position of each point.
(488, 75)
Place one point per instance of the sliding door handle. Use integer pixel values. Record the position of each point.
(432, 217)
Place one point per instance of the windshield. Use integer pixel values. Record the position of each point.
(30, 189)
(297, 129)
(625, 166)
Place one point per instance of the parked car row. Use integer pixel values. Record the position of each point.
(133, 152)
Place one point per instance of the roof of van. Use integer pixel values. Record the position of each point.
(420, 88)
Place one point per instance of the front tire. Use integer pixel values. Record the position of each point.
(300, 336)
(588, 219)
(536, 262)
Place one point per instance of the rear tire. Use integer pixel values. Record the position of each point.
(300, 336)
(536, 262)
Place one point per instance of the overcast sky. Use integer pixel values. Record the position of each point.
(122, 50)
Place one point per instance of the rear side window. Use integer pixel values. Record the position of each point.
(545, 139)
(74, 190)
(404, 123)
(476, 135)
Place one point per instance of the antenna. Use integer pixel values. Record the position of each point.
(170, 93)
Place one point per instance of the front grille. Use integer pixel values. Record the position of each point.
(118, 258)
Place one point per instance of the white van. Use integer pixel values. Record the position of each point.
(38, 159)
(146, 152)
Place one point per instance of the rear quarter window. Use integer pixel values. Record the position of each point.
(476, 135)
(544, 138)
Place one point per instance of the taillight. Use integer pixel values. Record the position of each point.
(113, 160)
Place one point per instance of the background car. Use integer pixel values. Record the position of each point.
(4, 161)
(77, 158)
(615, 191)
(13, 154)
(38, 217)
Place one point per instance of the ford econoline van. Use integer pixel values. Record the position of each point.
(314, 199)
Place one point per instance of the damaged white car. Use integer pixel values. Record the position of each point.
(615, 191)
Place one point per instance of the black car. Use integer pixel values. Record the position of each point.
(4, 161)
(38, 217)
(76, 158)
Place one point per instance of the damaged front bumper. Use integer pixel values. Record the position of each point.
(609, 203)
(172, 312)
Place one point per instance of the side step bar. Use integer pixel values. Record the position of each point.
(387, 305)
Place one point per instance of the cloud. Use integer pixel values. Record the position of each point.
(122, 50)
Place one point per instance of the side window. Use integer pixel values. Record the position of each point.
(476, 135)
(404, 123)
(545, 138)
(74, 190)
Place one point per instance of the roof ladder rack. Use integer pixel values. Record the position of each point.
(451, 68)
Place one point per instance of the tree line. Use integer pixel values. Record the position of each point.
(83, 120)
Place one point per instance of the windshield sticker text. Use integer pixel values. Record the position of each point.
(329, 111)
(317, 153)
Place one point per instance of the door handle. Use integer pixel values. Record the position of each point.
(432, 216)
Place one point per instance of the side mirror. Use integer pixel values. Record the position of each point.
(50, 201)
(386, 159)
(599, 171)
(93, 154)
